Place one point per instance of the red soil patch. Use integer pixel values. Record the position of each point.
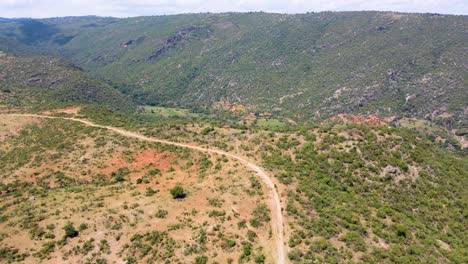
(161, 160)
(359, 119)
(73, 110)
(70, 111)
(146, 159)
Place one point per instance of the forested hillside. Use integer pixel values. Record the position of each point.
(305, 67)
(46, 82)
(374, 194)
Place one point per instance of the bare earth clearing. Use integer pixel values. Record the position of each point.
(275, 204)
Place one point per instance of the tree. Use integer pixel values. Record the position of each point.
(178, 192)
(70, 231)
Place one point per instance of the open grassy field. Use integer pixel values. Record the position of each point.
(168, 112)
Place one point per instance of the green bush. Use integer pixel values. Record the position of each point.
(150, 191)
(161, 213)
(260, 259)
(178, 192)
(121, 174)
(201, 260)
(10, 255)
(355, 241)
(207, 130)
(70, 231)
(246, 249)
(82, 227)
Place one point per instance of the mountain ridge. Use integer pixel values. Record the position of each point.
(306, 67)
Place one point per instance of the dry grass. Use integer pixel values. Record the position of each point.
(115, 212)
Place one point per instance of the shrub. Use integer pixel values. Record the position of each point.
(261, 215)
(178, 192)
(87, 246)
(150, 191)
(104, 247)
(295, 254)
(255, 222)
(154, 172)
(320, 245)
(229, 243)
(216, 213)
(201, 260)
(207, 130)
(37, 232)
(120, 174)
(246, 249)
(260, 259)
(401, 231)
(82, 227)
(242, 224)
(101, 261)
(161, 213)
(355, 241)
(10, 255)
(251, 235)
(47, 248)
(215, 202)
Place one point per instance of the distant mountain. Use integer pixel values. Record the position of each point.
(10, 20)
(305, 67)
(45, 82)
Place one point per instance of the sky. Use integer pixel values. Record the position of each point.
(129, 8)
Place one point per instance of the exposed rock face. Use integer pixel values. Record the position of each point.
(172, 42)
(133, 42)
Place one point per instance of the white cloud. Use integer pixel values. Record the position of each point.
(123, 8)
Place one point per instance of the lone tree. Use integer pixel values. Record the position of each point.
(70, 231)
(178, 192)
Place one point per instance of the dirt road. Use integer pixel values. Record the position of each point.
(275, 203)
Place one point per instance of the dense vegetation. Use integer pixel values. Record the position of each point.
(374, 194)
(47, 83)
(307, 66)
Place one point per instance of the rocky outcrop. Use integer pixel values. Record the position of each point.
(172, 42)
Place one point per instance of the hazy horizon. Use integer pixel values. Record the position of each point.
(227, 12)
(131, 8)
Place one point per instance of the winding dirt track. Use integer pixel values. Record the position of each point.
(277, 217)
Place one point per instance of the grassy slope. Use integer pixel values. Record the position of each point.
(57, 171)
(45, 83)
